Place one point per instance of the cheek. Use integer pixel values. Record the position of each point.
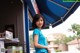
(42, 22)
(37, 23)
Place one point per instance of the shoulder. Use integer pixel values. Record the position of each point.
(36, 29)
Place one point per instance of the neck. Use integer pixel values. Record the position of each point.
(39, 28)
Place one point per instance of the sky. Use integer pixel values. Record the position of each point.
(63, 28)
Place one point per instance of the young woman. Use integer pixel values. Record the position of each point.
(40, 42)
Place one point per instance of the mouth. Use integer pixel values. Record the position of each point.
(40, 24)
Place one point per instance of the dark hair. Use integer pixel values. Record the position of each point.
(35, 19)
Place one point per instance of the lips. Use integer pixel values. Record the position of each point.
(40, 24)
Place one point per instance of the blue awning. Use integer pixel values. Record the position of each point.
(54, 11)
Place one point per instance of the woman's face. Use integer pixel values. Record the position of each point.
(40, 22)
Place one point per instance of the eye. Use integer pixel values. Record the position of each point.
(41, 20)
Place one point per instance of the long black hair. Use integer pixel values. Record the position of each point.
(35, 19)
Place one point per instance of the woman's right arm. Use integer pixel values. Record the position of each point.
(36, 43)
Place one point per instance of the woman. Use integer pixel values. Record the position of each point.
(40, 41)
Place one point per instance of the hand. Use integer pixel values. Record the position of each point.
(49, 51)
(48, 48)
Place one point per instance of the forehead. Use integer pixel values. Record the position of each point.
(40, 18)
